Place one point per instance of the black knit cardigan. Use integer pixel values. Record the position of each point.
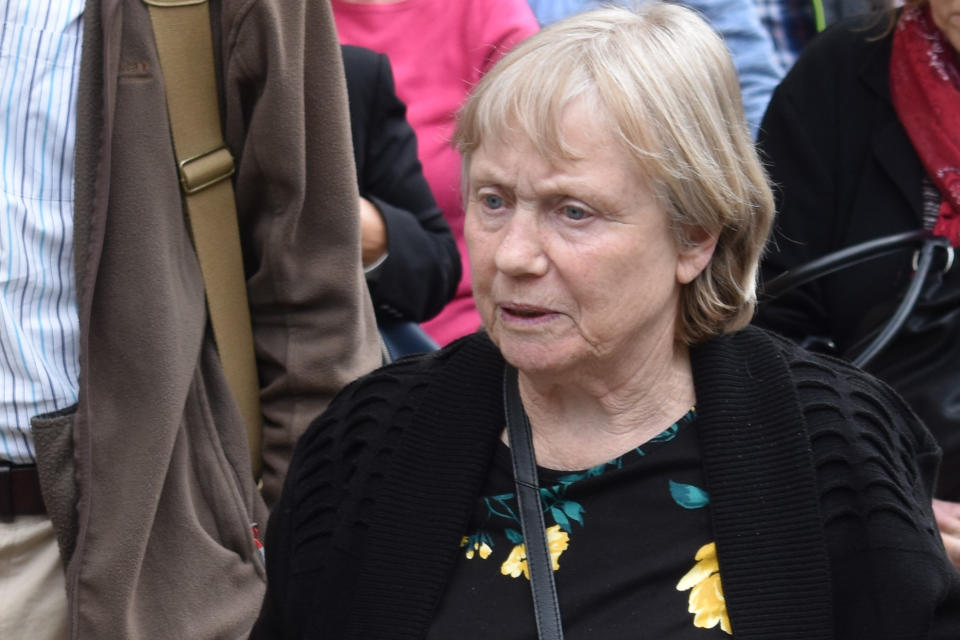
(819, 477)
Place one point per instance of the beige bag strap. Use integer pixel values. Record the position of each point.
(185, 49)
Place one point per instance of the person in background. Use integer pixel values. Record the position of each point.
(793, 23)
(438, 50)
(409, 255)
(735, 20)
(698, 477)
(128, 508)
(863, 140)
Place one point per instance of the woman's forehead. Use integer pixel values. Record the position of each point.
(579, 129)
(602, 170)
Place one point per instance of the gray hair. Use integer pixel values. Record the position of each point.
(665, 84)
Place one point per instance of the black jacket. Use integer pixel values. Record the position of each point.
(844, 171)
(819, 479)
(422, 270)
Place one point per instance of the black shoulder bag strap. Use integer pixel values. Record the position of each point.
(545, 605)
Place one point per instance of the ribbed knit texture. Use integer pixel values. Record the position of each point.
(764, 503)
(819, 480)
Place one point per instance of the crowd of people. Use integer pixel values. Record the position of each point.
(573, 215)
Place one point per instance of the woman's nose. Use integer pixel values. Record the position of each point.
(521, 249)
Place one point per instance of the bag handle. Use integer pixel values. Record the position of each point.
(869, 250)
(546, 608)
(923, 260)
(841, 259)
(185, 49)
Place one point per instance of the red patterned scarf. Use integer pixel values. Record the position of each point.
(925, 87)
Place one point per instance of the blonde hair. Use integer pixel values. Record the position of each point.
(665, 84)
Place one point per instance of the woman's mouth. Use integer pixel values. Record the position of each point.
(526, 314)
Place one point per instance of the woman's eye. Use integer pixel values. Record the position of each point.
(491, 201)
(573, 212)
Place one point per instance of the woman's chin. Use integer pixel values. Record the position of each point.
(538, 356)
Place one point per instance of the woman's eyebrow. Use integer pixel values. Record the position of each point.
(487, 172)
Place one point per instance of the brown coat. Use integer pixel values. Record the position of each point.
(148, 480)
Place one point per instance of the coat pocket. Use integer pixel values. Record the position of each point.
(215, 467)
(53, 437)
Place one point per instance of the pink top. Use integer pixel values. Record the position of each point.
(439, 49)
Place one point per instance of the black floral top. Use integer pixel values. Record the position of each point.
(630, 542)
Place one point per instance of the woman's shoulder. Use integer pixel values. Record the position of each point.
(354, 441)
(834, 390)
(833, 394)
(376, 406)
(875, 462)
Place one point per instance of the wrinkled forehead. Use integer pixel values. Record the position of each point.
(576, 128)
(511, 140)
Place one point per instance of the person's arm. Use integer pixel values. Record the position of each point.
(422, 266)
(751, 48)
(287, 123)
(373, 236)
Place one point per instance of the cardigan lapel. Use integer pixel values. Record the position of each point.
(763, 494)
(428, 495)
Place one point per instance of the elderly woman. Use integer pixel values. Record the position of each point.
(695, 479)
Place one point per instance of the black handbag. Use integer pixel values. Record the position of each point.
(917, 349)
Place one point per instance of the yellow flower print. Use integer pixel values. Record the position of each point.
(481, 548)
(557, 542)
(516, 563)
(478, 547)
(706, 597)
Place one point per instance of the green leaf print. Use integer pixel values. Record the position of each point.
(514, 536)
(504, 510)
(573, 510)
(560, 518)
(598, 470)
(688, 496)
(571, 478)
(666, 435)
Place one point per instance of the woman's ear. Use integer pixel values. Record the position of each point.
(694, 254)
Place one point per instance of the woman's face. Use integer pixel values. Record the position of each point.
(946, 15)
(574, 263)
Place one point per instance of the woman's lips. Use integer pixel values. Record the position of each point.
(525, 314)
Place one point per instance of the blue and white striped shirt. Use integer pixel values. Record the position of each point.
(39, 66)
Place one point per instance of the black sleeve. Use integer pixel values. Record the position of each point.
(299, 548)
(422, 270)
(318, 525)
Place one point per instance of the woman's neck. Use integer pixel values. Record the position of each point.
(584, 423)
